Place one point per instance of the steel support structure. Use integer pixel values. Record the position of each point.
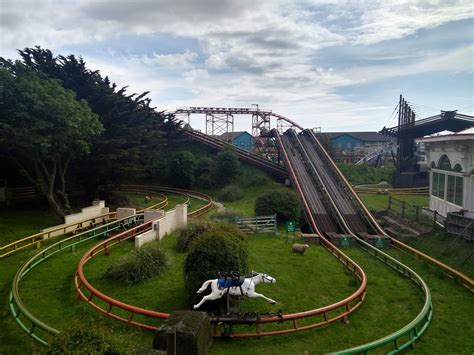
(219, 123)
(260, 123)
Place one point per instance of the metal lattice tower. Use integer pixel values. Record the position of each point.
(260, 122)
(218, 124)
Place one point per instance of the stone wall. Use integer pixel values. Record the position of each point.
(166, 223)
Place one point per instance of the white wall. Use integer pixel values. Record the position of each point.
(98, 208)
(167, 223)
(459, 152)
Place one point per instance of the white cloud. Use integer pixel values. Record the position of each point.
(250, 51)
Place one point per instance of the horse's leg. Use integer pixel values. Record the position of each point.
(210, 297)
(259, 295)
(204, 286)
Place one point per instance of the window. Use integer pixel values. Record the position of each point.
(458, 194)
(437, 185)
(457, 168)
(434, 184)
(444, 163)
(451, 187)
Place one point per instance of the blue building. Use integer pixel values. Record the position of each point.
(352, 146)
(243, 140)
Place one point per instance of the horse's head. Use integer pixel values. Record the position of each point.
(265, 278)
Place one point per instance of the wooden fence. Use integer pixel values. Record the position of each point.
(259, 224)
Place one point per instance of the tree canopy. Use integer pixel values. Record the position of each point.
(42, 128)
(135, 133)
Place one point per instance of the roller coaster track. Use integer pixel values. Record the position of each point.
(37, 329)
(354, 217)
(66, 229)
(450, 272)
(265, 164)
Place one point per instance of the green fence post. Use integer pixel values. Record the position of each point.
(403, 208)
(389, 202)
(417, 212)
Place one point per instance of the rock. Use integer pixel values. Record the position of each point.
(185, 332)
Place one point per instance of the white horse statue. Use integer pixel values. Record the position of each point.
(247, 288)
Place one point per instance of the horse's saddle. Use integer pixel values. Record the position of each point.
(229, 282)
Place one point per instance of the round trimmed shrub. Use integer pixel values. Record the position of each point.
(222, 248)
(80, 339)
(139, 265)
(284, 203)
(189, 233)
(230, 193)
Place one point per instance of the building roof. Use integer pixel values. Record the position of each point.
(362, 136)
(232, 135)
(467, 134)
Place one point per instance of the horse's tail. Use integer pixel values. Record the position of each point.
(204, 286)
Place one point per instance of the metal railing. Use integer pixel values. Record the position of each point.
(37, 239)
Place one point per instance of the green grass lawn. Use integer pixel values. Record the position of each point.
(380, 202)
(303, 282)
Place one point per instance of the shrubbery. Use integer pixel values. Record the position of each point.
(191, 232)
(364, 174)
(222, 248)
(139, 265)
(80, 339)
(182, 168)
(283, 203)
(227, 166)
(230, 193)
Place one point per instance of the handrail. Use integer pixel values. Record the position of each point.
(17, 307)
(464, 279)
(39, 330)
(38, 238)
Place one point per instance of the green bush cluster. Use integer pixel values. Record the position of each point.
(284, 203)
(184, 169)
(139, 265)
(81, 339)
(230, 193)
(365, 174)
(222, 248)
(189, 233)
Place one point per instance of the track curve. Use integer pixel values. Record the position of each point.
(33, 326)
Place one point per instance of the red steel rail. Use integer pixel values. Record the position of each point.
(325, 315)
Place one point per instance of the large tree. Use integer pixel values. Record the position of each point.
(135, 132)
(42, 129)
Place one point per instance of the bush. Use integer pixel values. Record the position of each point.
(222, 248)
(284, 203)
(230, 193)
(182, 169)
(81, 339)
(227, 166)
(205, 171)
(138, 266)
(191, 232)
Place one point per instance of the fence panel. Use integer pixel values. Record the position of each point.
(258, 224)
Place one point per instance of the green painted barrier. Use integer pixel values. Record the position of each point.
(406, 336)
(35, 328)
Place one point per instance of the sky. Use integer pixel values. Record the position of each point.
(338, 65)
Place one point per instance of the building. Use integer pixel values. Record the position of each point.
(451, 167)
(353, 146)
(243, 140)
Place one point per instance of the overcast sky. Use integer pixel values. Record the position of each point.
(336, 64)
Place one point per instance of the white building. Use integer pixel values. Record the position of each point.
(451, 162)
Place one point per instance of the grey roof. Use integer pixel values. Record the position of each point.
(363, 136)
(232, 135)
